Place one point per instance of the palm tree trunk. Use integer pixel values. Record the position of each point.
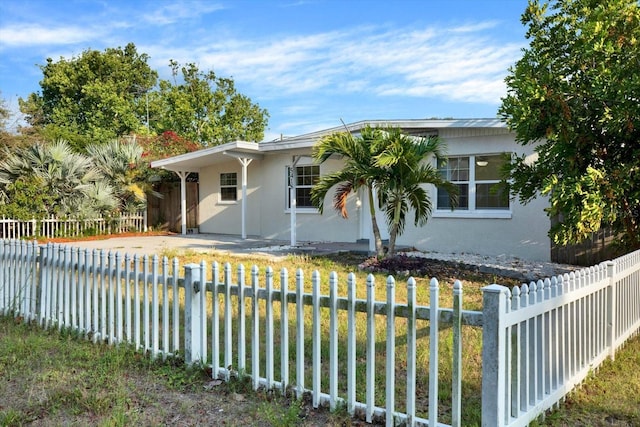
(374, 225)
(393, 233)
(392, 240)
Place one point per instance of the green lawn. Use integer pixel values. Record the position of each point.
(57, 378)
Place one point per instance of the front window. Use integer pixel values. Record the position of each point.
(228, 187)
(478, 181)
(306, 178)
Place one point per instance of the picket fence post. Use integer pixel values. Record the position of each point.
(192, 313)
(494, 303)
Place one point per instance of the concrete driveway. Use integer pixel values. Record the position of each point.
(152, 245)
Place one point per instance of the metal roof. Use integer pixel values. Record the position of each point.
(194, 161)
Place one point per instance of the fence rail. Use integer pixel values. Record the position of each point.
(538, 340)
(552, 333)
(71, 227)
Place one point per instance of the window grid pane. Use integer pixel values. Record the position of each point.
(228, 179)
(488, 167)
(463, 198)
(306, 178)
(484, 184)
(228, 194)
(491, 196)
(228, 187)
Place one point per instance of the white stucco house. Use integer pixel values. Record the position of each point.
(244, 189)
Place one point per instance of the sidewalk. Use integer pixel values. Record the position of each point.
(154, 245)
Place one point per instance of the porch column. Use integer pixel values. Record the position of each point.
(183, 200)
(244, 162)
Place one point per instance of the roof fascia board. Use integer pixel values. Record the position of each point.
(194, 155)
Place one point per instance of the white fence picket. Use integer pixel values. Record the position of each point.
(228, 320)
(540, 339)
(390, 362)
(284, 328)
(333, 340)
(300, 359)
(70, 226)
(371, 349)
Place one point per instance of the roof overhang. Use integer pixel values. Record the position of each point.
(194, 161)
(414, 127)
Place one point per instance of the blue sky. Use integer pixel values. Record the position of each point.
(310, 63)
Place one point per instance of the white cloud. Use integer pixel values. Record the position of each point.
(458, 63)
(169, 13)
(35, 34)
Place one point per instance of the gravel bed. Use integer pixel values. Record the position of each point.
(502, 265)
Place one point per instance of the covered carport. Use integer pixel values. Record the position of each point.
(186, 164)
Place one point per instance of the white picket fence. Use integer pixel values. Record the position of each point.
(71, 227)
(539, 340)
(551, 334)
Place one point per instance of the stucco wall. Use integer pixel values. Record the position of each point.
(523, 233)
(225, 217)
(275, 218)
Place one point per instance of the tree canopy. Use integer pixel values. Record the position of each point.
(100, 96)
(206, 109)
(97, 96)
(575, 95)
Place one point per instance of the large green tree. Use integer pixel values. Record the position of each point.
(575, 94)
(205, 108)
(395, 165)
(97, 96)
(100, 96)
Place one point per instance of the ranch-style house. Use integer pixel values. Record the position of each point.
(246, 189)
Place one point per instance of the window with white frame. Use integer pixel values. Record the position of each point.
(478, 180)
(306, 177)
(228, 187)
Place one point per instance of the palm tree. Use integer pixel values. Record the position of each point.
(407, 162)
(121, 163)
(395, 165)
(69, 178)
(359, 171)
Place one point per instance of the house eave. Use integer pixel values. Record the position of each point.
(194, 161)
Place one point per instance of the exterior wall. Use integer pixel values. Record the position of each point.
(523, 235)
(225, 217)
(275, 219)
(520, 232)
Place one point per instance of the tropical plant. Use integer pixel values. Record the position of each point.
(24, 199)
(167, 144)
(384, 161)
(359, 171)
(405, 160)
(67, 179)
(122, 165)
